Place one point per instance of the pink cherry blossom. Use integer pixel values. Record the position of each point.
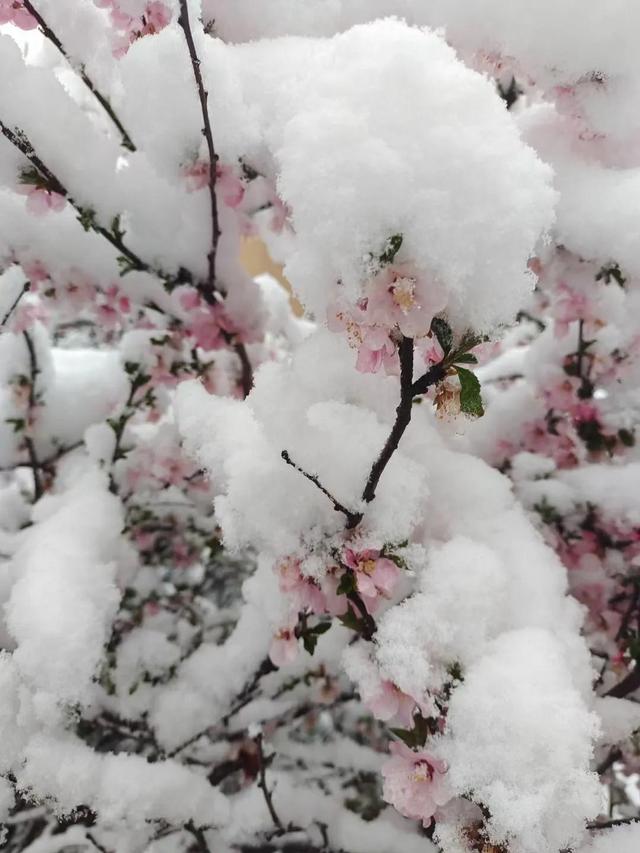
(229, 186)
(41, 201)
(389, 703)
(414, 782)
(568, 306)
(36, 272)
(157, 16)
(400, 297)
(375, 351)
(375, 575)
(196, 176)
(303, 591)
(284, 647)
(13, 11)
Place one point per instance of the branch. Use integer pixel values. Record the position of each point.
(25, 288)
(209, 290)
(262, 784)
(629, 684)
(408, 390)
(353, 518)
(102, 100)
(35, 464)
(20, 141)
(247, 370)
(609, 824)
(403, 417)
(198, 834)
(183, 20)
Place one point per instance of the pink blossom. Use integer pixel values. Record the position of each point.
(414, 782)
(389, 702)
(189, 298)
(40, 201)
(196, 176)
(157, 16)
(284, 647)
(304, 591)
(375, 351)
(569, 305)
(229, 186)
(13, 11)
(35, 271)
(375, 575)
(400, 297)
(206, 329)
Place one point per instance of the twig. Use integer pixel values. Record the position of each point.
(262, 784)
(353, 518)
(96, 843)
(408, 390)
(198, 834)
(183, 20)
(25, 288)
(102, 100)
(615, 754)
(22, 143)
(608, 824)
(211, 288)
(35, 464)
(629, 684)
(369, 626)
(247, 370)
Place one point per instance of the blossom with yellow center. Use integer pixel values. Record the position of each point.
(403, 291)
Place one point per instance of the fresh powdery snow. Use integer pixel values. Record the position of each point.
(344, 557)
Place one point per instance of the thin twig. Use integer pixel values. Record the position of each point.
(96, 843)
(198, 834)
(408, 390)
(25, 288)
(262, 784)
(353, 518)
(102, 100)
(629, 684)
(403, 417)
(609, 824)
(247, 370)
(212, 288)
(34, 462)
(203, 95)
(22, 143)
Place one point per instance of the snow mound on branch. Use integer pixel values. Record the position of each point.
(519, 737)
(64, 596)
(404, 139)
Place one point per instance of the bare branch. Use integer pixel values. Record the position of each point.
(213, 157)
(38, 487)
(262, 784)
(81, 71)
(25, 288)
(353, 518)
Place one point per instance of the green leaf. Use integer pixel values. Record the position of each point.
(626, 437)
(350, 620)
(405, 735)
(442, 330)
(466, 358)
(18, 423)
(391, 249)
(347, 584)
(87, 218)
(470, 396)
(311, 635)
(415, 736)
